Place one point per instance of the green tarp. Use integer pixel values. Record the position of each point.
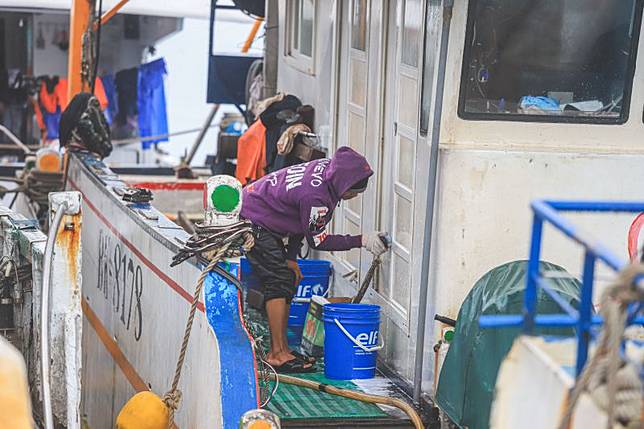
(467, 379)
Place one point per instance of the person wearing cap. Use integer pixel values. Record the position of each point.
(286, 207)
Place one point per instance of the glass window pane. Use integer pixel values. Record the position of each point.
(356, 132)
(407, 101)
(402, 233)
(406, 162)
(355, 205)
(411, 32)
(358, 81)
(556, 58)
(353, 255)
(306, 32)
(359, 24)
(400, 287)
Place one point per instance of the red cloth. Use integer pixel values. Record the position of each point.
(251, 154)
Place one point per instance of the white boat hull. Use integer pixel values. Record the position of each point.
(135, 309)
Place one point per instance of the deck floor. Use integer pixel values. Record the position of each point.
(301, 407)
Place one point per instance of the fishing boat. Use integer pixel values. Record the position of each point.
(467, 111)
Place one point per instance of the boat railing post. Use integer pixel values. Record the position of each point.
(585, 311)
(530, 298)
(60, 312)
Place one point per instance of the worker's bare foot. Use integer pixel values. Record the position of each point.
(278, 359)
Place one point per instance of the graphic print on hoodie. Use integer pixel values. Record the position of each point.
(299, 200)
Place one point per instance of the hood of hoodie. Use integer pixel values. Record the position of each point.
(347, 167)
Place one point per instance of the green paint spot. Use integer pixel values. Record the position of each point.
(449, 336)
(225, 198)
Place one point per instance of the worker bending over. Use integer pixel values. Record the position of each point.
(285, 207)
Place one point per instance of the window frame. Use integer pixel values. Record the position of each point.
(517, 117)
(293, 56)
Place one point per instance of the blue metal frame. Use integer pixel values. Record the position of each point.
(582, 319)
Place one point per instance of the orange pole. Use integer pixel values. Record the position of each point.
(252, 34)
(78, 22)
(110, 13)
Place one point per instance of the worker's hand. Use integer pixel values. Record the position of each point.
(375, 242)
(296, 269)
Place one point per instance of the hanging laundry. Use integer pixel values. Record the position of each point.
(50, 105)
(110, 94)
(53, 99)
(251, 154)
(153, 119)
(126, 84)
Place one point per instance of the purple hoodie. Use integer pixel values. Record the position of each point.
(298, 201)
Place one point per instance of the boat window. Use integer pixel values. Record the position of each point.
(301, 25)
(411, 32)
(549, 60)
(359, 24)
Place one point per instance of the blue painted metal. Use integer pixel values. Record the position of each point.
(583, 320)
(585, 311)
(238, 384)
(530, 299)
(547, 320)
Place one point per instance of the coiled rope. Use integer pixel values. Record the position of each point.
(213, 243)
(613, 383)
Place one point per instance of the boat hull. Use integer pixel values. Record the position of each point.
(135, 308)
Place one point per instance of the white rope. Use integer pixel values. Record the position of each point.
(613, 384)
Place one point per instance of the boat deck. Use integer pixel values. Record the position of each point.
(299, 407)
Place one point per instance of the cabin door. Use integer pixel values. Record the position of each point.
(403, 65)
(359, 111)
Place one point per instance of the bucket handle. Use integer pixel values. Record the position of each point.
(358, 343)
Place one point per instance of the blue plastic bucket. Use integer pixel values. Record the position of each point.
(315, 282)
(351, 333)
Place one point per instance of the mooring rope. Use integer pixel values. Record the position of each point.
(230, 240)
(621, 396)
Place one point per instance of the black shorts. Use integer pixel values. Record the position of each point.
(267, 258)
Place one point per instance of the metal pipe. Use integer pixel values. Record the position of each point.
(15, 139)
(271, 48)
(202, 133)
(110, 13)
(251, 36)
(79, 21)
(448, 6)
(44, 315)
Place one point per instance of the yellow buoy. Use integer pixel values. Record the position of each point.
(145, 410)
(15, 406)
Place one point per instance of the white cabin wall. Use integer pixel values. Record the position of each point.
(489, 171)
(312, 88)
(116, 53)
(51, 60)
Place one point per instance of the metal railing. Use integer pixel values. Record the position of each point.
(582, 319)
(44, 315)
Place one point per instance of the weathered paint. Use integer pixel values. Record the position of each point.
(239, 388)
(65, 318)
(132, 297)
(26, 243)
